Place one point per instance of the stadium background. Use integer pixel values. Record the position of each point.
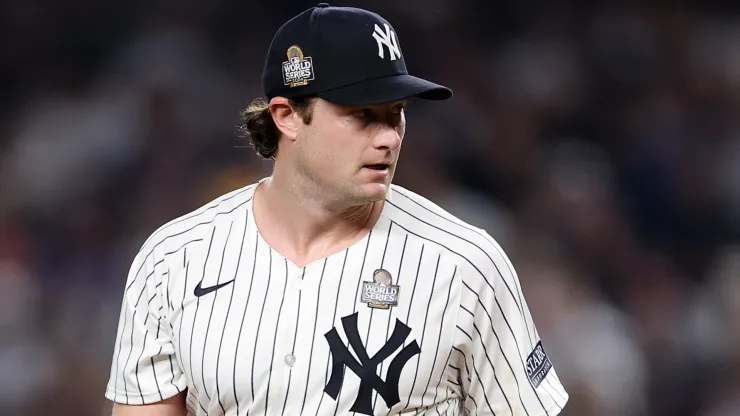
(599, 142)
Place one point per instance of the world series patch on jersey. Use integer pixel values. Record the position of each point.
(425, 313)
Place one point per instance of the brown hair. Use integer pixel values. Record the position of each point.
(261, 128)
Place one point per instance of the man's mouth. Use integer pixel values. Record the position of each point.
(379, 166)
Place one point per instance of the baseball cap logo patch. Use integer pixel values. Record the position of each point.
(298, 69)
(387, 39)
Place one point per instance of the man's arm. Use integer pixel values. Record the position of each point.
(504, 369)
(144, 369)
(174, 406)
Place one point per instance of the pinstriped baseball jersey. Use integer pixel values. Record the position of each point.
(424, 314)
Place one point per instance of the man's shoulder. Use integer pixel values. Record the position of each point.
(473, 249)
(200, 218)
(421, 208)
(426, 219)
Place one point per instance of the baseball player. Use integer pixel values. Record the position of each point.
(324, 289)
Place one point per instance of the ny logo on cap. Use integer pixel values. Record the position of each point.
(387, 38)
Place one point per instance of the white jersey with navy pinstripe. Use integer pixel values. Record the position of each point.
(210, 308)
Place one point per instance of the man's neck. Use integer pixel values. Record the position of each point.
(304, 228)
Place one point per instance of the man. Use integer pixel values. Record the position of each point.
(324, 289)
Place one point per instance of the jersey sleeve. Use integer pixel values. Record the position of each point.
(144, 369)
(503, 363)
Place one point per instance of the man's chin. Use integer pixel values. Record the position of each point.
(372, 192)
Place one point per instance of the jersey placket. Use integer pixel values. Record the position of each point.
(286, 360)
(293, 297)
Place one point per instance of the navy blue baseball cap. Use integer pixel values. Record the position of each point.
(344, 55)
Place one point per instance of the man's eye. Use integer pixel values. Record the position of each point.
(363, 113)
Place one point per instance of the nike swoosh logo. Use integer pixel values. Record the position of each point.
(202, 291)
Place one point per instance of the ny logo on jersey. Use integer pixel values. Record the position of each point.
(367, 367)
(387, 38)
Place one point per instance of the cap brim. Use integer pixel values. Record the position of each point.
(386, 89)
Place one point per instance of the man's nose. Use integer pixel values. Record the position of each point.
(387, 137)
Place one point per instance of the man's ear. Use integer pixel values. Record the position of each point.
(285, 117)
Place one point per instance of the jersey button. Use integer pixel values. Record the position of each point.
(290, 360)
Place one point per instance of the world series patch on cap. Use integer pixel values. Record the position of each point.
(345, 55)
(298, 69)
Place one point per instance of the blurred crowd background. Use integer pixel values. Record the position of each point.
(598, 142)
